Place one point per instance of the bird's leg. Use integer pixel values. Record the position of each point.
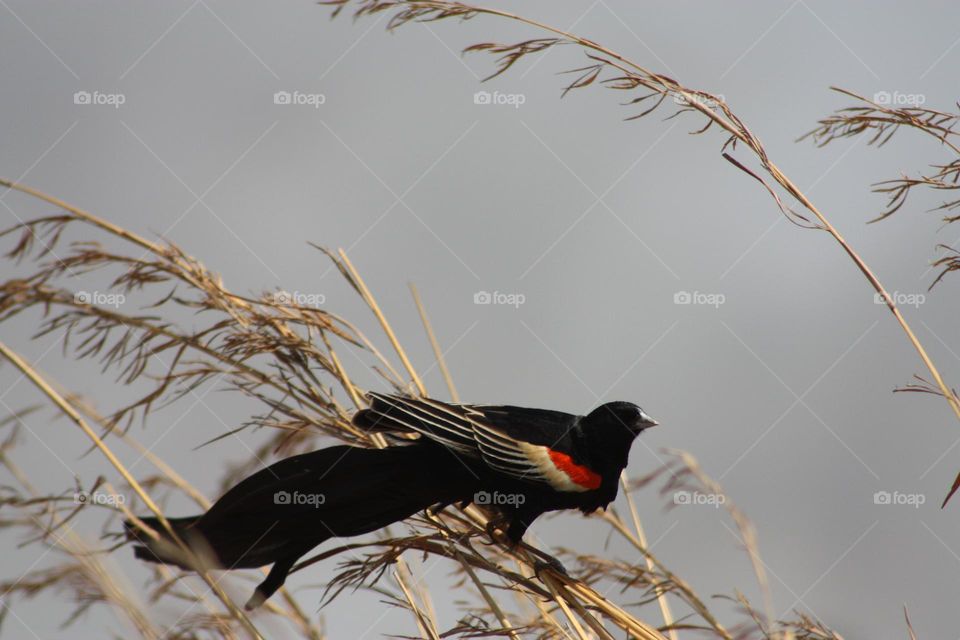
(495, 529)
(519, 522)
(518, 526)
(274, 580)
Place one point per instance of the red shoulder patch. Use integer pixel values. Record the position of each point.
(579, 474)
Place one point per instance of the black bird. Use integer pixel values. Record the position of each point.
(520, 462)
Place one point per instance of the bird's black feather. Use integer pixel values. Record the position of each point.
(465, 452)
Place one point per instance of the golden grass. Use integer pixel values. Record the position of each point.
(287, 358)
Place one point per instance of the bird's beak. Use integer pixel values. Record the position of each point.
(648, 421)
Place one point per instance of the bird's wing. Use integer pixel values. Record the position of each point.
(511, 440)
(533, 435)
(439, 421)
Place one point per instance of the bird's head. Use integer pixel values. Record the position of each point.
(621, 415)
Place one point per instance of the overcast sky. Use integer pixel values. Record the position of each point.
(243, 130)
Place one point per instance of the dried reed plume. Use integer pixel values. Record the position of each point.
(289, 359)
(879, 122)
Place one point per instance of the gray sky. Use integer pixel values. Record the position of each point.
(783, 391)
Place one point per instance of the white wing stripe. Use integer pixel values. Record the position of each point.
(424, 416)
(459, 445)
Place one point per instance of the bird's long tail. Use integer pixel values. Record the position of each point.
(278, 514)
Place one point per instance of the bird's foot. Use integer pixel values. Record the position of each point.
(495, 532)
(545, 563)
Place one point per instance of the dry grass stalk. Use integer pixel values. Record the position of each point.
(435, 344)
(642, 539)
(880, 122)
